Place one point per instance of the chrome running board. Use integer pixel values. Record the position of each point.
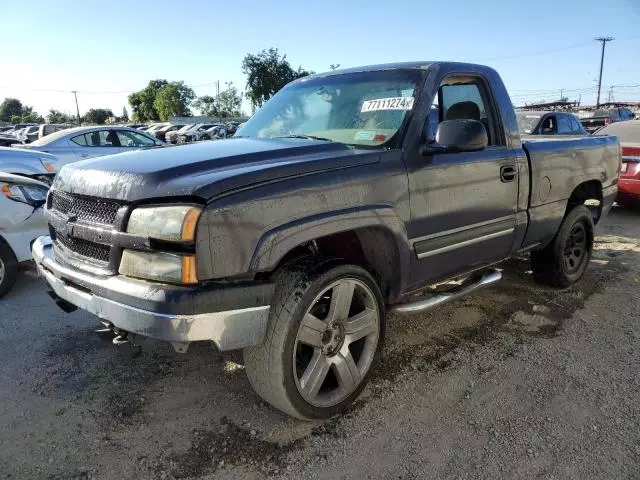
(447, 296)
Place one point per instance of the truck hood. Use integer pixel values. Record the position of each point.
(204, 170)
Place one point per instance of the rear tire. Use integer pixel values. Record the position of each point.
(8, 268)
(324, 337)
(564, 261)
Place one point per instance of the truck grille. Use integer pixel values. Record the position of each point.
(94, 251)
(82, 209)
(89, 209)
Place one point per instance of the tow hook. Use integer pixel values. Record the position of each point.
(121, 337)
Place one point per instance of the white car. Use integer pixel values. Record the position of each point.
(81, 143)
(194, 133)
(37, 165)
(172, 136)
(21, 222)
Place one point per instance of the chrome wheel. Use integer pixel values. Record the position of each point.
(336, 342)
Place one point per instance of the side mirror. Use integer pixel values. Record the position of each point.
(454, 136)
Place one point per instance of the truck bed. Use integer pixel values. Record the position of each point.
(556, 167)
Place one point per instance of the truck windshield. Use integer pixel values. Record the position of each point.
(361, 109)
(527, 122)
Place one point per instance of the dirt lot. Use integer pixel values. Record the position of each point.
(516, 381)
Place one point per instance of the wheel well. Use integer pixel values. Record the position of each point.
(589, 194)
(372, 248)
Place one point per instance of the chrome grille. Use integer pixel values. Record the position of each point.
(94, 251)
(89, 209)
(81, 208)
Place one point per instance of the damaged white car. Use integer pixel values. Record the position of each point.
(21, 221)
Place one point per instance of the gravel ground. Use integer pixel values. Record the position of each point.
(516, 381)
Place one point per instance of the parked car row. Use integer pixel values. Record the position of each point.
(177, 133)
(27, 133)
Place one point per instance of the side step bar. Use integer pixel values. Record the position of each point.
(444, 297)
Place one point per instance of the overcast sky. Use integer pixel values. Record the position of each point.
(105, 50)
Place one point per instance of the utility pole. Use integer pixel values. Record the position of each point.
(610, 96)
(218, 99)
(75, 94)
(604, 41)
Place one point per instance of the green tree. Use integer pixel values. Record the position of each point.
(31, 117)
(267, 73)
(97, 116)
(12, 110)
(174, 100)
(9, 108)
(226, 104)
(207, 105)
(125, 114)
(56, 116)
(143, 102)
(230, 101)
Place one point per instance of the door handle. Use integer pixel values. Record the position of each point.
(508, 173)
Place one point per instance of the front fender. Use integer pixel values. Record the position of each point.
(277, 242)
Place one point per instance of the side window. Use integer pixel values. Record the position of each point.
(576, 126)
(80, 140)
(463, 98)
(549, 126)
(564, 124)
(133, 139)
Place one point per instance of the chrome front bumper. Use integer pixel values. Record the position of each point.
(228, 329)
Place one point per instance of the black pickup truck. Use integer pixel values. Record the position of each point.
(347, 194)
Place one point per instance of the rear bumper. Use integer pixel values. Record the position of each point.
(231, 316)
(628, 189)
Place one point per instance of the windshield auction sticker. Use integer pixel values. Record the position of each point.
(393, 103)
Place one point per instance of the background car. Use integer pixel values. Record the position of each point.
(193, 134)
(172, 136)
(49, 128)
(29, 134)
(629, 182)
(549, 123)
(8, 140)
(37, 165)
(87, 142)
(162, 132)
(606, 116)
(210, 133)
(21, 222)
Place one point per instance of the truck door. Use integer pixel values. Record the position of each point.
(463, 205)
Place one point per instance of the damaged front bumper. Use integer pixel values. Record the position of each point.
(231, 315)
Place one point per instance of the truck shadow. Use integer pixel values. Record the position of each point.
(201, 410)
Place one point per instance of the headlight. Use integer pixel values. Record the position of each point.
(174, 223)
(163, 267)
(33, 195)
(48, 165)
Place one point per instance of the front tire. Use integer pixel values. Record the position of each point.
(324, 336)
(564, 261)
(8, 269)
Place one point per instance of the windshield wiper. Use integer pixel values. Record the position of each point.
(308, 137)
